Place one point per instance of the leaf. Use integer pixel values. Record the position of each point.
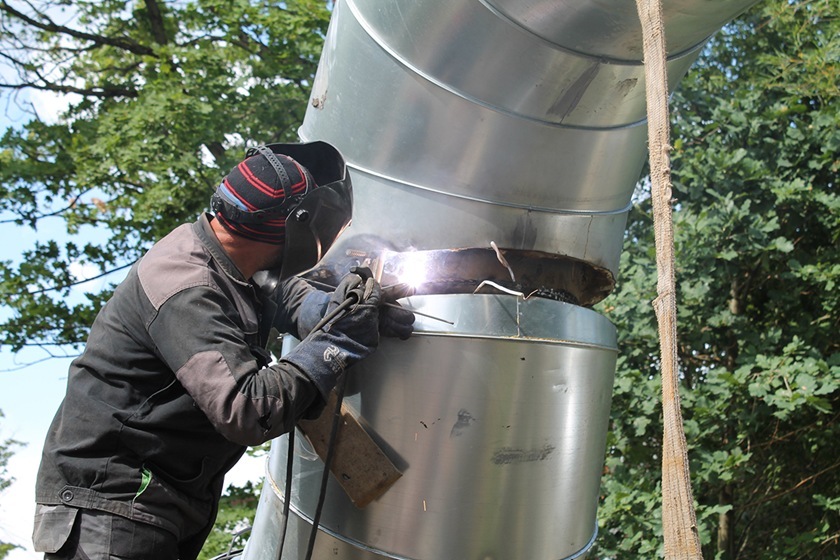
(783, 245)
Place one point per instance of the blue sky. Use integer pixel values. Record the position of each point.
(30, 394)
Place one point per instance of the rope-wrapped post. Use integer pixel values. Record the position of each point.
(679, 521)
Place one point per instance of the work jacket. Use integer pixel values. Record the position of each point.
(172, 386)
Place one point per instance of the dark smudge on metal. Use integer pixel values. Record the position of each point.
(510, 456)
(464, 421)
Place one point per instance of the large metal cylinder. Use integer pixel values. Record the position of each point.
(488, 140)
(519, 122)
(497, 423)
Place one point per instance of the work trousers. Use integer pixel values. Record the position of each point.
(98, 535)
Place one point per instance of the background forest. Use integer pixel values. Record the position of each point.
(162, 98)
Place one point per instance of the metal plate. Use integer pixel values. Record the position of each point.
(498, 424)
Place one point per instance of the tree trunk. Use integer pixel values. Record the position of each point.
(156, 22)
(726, 520)
(726, 525)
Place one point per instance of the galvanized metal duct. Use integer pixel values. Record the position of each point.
(520, 123)
(499, 431)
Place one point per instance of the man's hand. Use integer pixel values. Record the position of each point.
(394, 320)
(349, 333)
(358, 287)
(360, 295)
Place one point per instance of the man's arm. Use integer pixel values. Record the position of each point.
(196, 335)
(300, 307)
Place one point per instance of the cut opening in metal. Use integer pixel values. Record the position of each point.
(463, 271)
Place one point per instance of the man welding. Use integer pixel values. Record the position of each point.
(175, 381)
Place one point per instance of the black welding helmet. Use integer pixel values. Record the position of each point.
(314, 216)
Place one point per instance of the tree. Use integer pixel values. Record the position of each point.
(5, 481)
(236, 515)
(757, 220)
(163, 97)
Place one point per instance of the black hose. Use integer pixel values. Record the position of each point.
(290, 455)
(338, 311)
(316, 520)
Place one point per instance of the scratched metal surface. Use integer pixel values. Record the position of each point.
(500, 436)
(518, 122)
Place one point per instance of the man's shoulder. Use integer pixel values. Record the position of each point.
(177, 262)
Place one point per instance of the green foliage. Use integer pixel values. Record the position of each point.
(163, 98)
(236, 515)
(161, 105)
(5, 481)
(757, 219)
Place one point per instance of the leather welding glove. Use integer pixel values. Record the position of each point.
(396, 323)
(358, 285)
(393, 322)
(349, 338)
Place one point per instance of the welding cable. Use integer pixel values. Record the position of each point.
(333, 315)
(331, 443)
(290, 455)
(316, 519)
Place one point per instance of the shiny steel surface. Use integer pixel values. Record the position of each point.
(452, 144)
(387, 212)
(498, 423)
(466, 122)
(500, 117)
(502, 317)
(448, 44)
(610, 28)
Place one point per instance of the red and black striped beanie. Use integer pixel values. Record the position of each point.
(256, 185)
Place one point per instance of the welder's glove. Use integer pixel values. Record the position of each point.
(350, 337)
(359, 287)
(396, 322)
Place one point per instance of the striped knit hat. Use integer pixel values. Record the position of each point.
(257, 186)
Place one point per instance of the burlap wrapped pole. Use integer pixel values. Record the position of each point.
(679, 521)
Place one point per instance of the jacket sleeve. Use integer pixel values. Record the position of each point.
(196, 334)
(300, 307)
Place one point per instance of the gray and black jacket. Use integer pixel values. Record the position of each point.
(171, 388)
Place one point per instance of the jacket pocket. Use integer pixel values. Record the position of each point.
(53, 525)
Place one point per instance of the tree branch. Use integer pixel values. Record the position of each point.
(216, 149)
(105, 92)
(73, 201)
(49, 25)
(50, 356)
(796, 486)
(156, 22)
(71, 284)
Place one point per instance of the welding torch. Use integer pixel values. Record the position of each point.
(389, 292)
(404, 288)
(351, 299)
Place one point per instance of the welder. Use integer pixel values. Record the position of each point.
(175, 381)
